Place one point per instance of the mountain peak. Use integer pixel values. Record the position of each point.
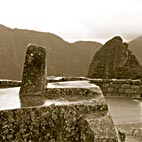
(114, 60)
(115, 40)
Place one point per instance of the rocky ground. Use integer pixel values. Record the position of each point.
(133, 132)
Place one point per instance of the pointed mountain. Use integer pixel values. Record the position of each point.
(115, 60)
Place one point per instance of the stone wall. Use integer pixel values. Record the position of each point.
(119, 87)
(112, 87)
(9, 83)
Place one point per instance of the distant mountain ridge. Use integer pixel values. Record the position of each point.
(136, 47)
(64, 59)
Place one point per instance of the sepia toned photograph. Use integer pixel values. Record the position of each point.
(70, 71)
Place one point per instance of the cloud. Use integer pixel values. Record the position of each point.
(75, 19)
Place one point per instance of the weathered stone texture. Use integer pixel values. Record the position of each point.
(82, 119)
(35, 71)
(43, 124)
(71, 123)
(102, 135)
(85, 122)
(82, 92)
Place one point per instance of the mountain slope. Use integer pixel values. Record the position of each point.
(65, 59)
(136, 47)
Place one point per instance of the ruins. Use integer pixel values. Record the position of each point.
(74, 111)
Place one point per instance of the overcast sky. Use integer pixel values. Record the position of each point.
(73, 20)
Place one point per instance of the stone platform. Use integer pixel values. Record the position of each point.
(73, 111)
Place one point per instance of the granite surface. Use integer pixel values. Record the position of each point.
(78, 118)
(69, 123)
(35, 71)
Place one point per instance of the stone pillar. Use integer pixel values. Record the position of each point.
(34, 80)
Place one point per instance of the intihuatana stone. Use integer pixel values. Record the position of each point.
(35, 71)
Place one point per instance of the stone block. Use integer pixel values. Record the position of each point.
(135, 96)
(116, 85)
(128, 91)
(119, 81)
(116, 90)
(125, 86)
(106, 85)
(135, 87)
(129, 95)
(135, 91)
(115, 94)
(110, 90)
(121, 90)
